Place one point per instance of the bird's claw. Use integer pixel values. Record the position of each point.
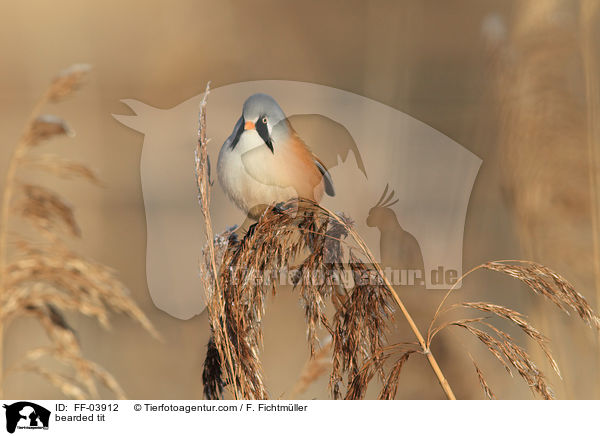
(281, 207)
(233, 238)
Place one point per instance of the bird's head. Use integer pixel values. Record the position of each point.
(262, 115)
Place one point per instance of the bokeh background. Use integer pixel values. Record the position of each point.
(512, 81)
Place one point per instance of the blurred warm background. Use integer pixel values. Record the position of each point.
(515, 82)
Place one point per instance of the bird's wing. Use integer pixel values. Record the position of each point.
(327, 180)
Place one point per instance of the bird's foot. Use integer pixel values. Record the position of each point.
(233, 239)
(281, 207)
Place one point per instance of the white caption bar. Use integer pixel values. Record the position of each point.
(23, 417)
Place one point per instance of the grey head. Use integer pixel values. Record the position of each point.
(261, 113)
(260, 105)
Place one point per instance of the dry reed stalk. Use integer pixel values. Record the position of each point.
(588, 22)
(45, 278)
(547, 166)
(216, 305)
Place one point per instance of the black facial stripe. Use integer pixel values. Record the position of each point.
(263, 131)
(238, 133)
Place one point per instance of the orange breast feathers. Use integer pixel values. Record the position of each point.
(299, 170)
(291, 171)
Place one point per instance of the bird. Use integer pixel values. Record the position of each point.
(265, 162)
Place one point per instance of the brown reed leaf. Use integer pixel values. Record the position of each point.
(62, 337)
(95, 284)
(527, 369)
(45, 127)
(493, 345)
(359, 380)
(67, 385)
(358, 383)
(68, 81)
(360, 324)
(107, 379)
(18, 299)
(543, 281)
(79, 365)
(518, 319)
(64, 168)
(484, 385)
(506, 350)
(390, 386)
(47, 210)
(58, 318)
(86, 371)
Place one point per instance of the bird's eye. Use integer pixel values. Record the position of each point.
(264, 120)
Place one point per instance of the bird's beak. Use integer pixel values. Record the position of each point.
(249, 125)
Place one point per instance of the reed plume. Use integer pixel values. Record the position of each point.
(329, 265)
(542, 281)
(42, 277)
